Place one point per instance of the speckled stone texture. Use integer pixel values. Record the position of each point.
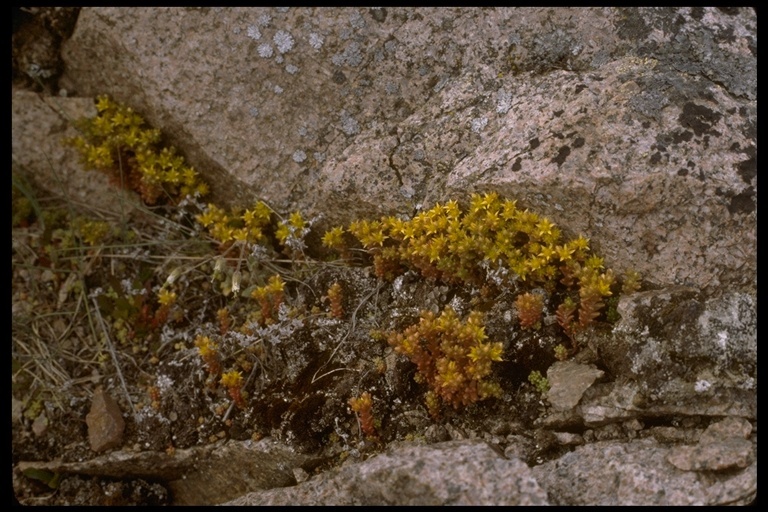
(635, 127)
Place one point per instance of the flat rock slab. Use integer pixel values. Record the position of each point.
(438, 474)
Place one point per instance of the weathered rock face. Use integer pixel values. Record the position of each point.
(439, 474)
(635, 127)
(672, 354)
(673, 336)
(639, 473)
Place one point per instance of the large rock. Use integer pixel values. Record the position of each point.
(451, 473)
(672, 354)
(639, 473)
(636, 127)
(675, 339)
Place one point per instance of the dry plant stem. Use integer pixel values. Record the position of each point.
(41, 352)
(315, 377)
(113, 354)
(359, 428)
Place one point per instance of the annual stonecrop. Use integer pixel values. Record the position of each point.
(491, 242)
(237, 225)
(119, 143)
(452, 357)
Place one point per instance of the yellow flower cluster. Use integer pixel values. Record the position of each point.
(290, 233)
(490, 242)
(233, 381)
(452, 357)
(118, 142)
(209, 353)
(166, 297)
(91, 232)
(334, 238)
(270, 297)
(294, 226)
(363, 407)
(454, 245)
(236, 225)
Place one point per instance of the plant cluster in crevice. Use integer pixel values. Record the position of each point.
(274, 341)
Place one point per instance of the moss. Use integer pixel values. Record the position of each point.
(539, 382)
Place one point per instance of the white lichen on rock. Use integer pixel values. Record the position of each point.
(283, 40)
(254, 32)
(349, 124)
(316, 40)
(265, 50)
(479, 123)
(503, 101)
(352, 55)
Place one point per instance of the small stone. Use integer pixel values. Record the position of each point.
(40, 425)
(723, 445)
(105, 422)
(300, 475)
(725, 428)
(569, 438)
(568, 382)
(730, 454)
(436, 434)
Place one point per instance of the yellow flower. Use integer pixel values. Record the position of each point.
(173, 177)
(509, 209)
(408, 231)
(544, 227)
(547, 252)
(241, 235)
(491, 219)
(487, 352)
(209, 216)
(202, 189)
(282, 233)
(166, 297)
(205, 346)
(594, 262)
(119, 118)
(334, 238)
(276, 284)
(451, 209)
(580, 244)
(564, 252)
(189, 176)
(103, 104)
(297, 221)
(232, 379)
